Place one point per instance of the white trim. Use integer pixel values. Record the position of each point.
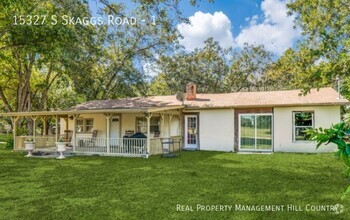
(185, 133)
(255, 132)
(293, 126)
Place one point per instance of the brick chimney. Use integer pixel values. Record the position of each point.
(190, 91)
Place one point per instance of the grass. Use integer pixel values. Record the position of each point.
(263, 138)
(98, 187)
(3, 139)
(250, 132)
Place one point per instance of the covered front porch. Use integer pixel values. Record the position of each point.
(115, 132)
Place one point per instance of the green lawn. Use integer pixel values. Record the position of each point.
(4, 138)
(248, 138)
(99, 187)
(250, 132)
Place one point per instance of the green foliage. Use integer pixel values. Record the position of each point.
(249, 69)
(215, 69)
(323, 54)
(159, 86)
(22, 130)
(50, 66)
(9, 142)
(337, 134)
(34, 57)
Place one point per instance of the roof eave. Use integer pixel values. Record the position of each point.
(267, 106)
(91, 111)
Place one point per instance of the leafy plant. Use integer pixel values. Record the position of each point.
(338, 134)
(9, 144)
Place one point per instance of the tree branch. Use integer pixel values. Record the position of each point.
(4, 99)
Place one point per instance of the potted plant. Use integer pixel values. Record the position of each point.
(29, 146)
(61, 147)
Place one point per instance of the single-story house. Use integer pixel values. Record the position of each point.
(269, 121)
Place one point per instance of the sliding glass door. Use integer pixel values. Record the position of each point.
(255, 132)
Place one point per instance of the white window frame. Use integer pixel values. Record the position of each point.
(84, 125)
(295, 126)
(145, 121)
(255, 134)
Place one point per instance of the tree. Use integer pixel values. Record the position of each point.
(248, 70)
(215, 69)
(324, 52)
(129, 46)
(297, 69)
(205, 66)
(35, 56)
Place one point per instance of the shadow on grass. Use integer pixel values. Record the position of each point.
(114, 187)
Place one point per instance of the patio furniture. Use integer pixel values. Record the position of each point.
(168, 147)
(156, 134)
(92, 141)
(68, 137)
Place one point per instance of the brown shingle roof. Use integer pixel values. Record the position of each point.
(325, 96)
(130, 103)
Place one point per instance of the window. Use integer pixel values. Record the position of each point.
(302, 121)
(141, 125)
(89, 125)
(255, 132)
(80, 125)
(84, 125)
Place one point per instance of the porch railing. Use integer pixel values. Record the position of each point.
(45, 142)
(41, 142)
(123, 146)
(117, 146)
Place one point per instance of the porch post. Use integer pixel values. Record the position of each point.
(162, 125)
(148, 117)
(56, 124)
(169, 124)
(181, 128)
(14, 127)
(108, 117)
(34, 118)
(67, 120)
(44, 125)
(75, 132)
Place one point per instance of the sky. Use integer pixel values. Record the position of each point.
(235, 22)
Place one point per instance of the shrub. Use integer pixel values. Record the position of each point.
(9, 144)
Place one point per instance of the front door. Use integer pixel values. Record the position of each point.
(191, 132)
(255, 132)
(114, 127)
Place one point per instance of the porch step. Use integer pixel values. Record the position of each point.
(190, 149)
(254, 152)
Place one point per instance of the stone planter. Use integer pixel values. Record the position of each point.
(61, 147)
(29, 146)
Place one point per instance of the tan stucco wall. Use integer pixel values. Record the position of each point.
(99, 124)
(325, 116)
(128, 122)
(216, 129)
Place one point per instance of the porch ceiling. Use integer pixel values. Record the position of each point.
(97, 111)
